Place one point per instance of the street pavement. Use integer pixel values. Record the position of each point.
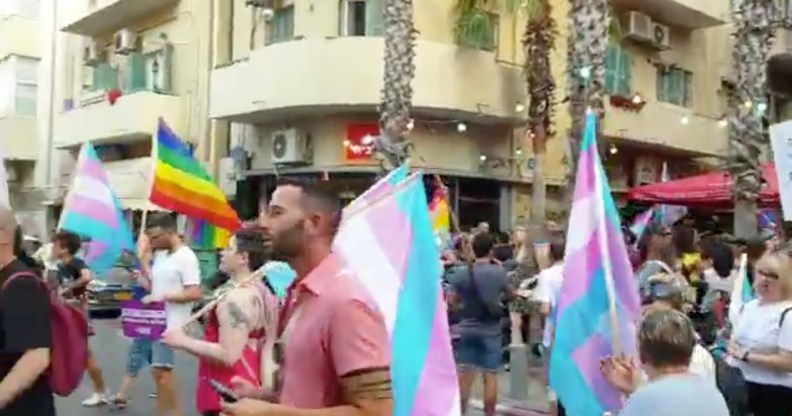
(110, 349)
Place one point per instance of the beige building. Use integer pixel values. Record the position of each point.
(20, 53)
(300, 86)
(122, 65)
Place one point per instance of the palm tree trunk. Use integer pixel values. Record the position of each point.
(393, 145)
(589, 23)
(753, 33)
(538, 43)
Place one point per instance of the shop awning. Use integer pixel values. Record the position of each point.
(707, 190)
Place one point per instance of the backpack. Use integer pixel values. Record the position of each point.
(69, 351)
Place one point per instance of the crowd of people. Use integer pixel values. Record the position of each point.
(697, 355)
(324, 348)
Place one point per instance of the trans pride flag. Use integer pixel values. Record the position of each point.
(380, 188)
(93, 211)
(598, 290)
(388, 242)
(640, 223)
(742, 292)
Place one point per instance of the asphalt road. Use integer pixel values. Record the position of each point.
(110, 348)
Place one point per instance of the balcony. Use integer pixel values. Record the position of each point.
(689, 14)
(344, 74)
(779, 66)
(19, 35)
(18, 137)
(659, 125)
(100, 17)
(132, 117)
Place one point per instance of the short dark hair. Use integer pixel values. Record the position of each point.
(70, 241)
(250, 240)
(557, 248)
(666, 339)
(721, 256)
(483, 244)
(162, 220)
(316, 196)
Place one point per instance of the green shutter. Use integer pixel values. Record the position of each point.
(375, 18)
(105, 77)
(282, 25)
(625, 68)
(611, 69)
(135, 73)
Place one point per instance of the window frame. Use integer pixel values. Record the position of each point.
(667, 92)
(346, 20)
(271, 25)
(621, 75)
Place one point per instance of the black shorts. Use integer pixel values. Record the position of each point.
(768, 400)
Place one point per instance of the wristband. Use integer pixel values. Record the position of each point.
(744, 357)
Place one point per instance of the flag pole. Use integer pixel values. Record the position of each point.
(603, 243)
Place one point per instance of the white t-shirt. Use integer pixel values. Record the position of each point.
(170, 273)
(548, 290)
(701, 364)
(759, 330)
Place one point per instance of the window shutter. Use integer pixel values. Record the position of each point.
(611, 70)
(135, 73)
(625, 71)
(375, 18)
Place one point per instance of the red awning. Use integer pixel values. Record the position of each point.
(710, 189)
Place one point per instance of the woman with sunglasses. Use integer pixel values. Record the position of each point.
(761, 342)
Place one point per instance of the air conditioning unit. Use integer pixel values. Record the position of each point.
(661, 36)
(125, 41)
(639, 27)
(288, 146)
(92, 53)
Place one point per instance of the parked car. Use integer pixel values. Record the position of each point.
(106, 295)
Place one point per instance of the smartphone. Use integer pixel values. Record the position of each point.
(224, 392)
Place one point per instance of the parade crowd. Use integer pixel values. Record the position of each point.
(325, 350)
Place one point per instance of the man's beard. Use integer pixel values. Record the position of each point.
(289, 244)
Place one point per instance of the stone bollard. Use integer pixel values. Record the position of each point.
(518, 373)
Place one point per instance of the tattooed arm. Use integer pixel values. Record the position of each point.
(237, 316)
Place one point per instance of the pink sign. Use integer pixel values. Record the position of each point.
(141, 321)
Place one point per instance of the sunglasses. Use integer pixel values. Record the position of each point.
(767, 274)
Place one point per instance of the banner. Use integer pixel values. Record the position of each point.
(142, 321)
(781, 143)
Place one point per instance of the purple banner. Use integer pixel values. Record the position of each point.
(141, 321)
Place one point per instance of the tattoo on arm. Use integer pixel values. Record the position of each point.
(368, 384)
(237, 317)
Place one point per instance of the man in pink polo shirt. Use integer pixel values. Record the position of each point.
(333, 347)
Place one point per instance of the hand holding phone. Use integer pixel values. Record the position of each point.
(224, 392)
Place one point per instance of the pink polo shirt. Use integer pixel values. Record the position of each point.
(338, 331)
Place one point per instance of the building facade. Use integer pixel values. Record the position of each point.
(20, 55)
(122, 65)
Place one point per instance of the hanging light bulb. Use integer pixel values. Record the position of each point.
(761, 107)
(723, 122)
(518, 152)
(410, 125)
(482, 158)
(519, 108)
(585, 72)
(461, 127)
(637, 99)
(748, 104)
(347, 143)
(685, 120)
(613, 149)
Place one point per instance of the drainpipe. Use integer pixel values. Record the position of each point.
(51, 109)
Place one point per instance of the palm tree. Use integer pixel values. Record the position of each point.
(474, 27)
(753, 24)
(590, 31)
(392, 144)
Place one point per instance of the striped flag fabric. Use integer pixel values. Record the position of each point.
(599, 303)
(388, 243)
(440, 214)
(381, 187)
(640, 223)
(670, 214)
(742, 292)
(93, 211)
(182, 185)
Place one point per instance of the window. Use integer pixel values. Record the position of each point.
(105, 77)
(26, 72)
(479, 30)
(674, 85)
(281, 27)
(617, 71)
(362, 18)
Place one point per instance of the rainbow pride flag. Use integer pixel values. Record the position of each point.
(599, 296)
(440, 213)
(388, 243)
(93, 211)
(205, 236)
(182, 185)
